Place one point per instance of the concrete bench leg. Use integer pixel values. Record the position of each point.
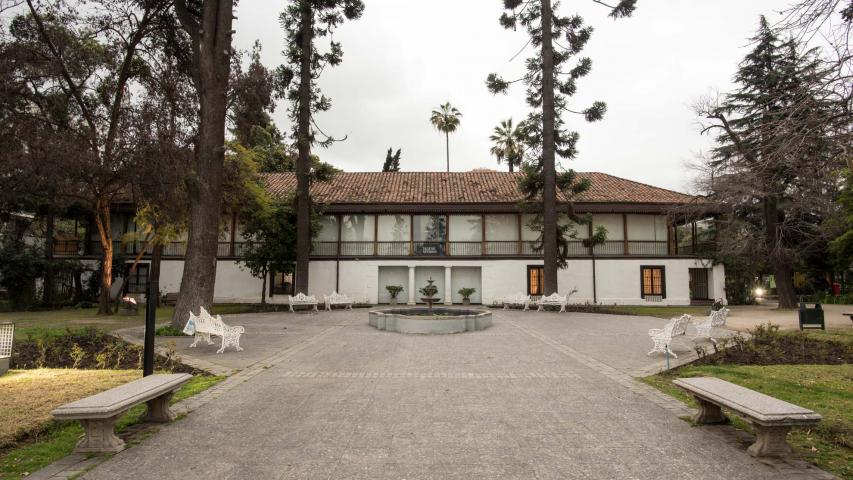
(158, 409)
(100, 436)
(708, 413)
(770, 441)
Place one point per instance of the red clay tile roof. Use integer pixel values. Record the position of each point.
(462, 188)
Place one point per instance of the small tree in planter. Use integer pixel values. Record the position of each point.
(466, 294)
(394, 290)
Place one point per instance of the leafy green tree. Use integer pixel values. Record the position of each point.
(269, 230)
(508, 143)
(551, 80)
(783, 137)
(392, 162)
(446, 119)
(304, 22)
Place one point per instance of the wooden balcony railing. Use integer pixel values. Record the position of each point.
(493, 248)
(507, 248)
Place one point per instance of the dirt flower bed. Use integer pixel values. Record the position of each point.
(87, 349)
(766, 345)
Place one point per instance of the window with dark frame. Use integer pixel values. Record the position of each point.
(137, 282)
(652, 281)
(535, 280)
(281, 284)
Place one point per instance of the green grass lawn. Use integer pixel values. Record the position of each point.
(52, 441)
(652, 311)
(826, 389)
(53, 322)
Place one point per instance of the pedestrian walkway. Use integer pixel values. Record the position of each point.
(537, 396)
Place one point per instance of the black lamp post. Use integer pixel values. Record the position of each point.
(151, 300)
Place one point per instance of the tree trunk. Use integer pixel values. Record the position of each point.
(105, 234)
(782, 270)
(447, 146)
(212, 67)
(549, 193)
(303, 163)
(49, 274)
(264, 289)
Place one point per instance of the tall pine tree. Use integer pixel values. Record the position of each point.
(783, 137)
(305, 21)
(392, 162)
(551, 80)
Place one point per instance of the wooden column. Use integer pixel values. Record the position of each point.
(625, 247)
(340, 227)
(589, 229)
(483, 247)
(412, 237)
(520, 242)
(671, 239)
(375, 235)
(447, 235)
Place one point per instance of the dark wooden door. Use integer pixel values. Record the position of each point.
(699, 284)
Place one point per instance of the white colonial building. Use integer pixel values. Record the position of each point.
(466, 229)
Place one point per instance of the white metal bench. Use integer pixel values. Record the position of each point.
(207, 325)
(553, 300)
(517, 300)
(300, 299)
(99, 413)
(662, 337)
(770, 417)
(704, 328)
(337, 299)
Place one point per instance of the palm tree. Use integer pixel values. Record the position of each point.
(446, 119)
(508, 143)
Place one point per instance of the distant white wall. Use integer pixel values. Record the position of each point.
(466, 277)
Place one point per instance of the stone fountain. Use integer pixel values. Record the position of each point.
(430, 320)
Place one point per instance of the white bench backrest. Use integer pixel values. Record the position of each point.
(718, 318)
(336, 297)
(554, 298)
(205, 323)
(302, 298)
(677, 326)
(517, 298)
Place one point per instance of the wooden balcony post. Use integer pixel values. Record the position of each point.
(520, 242)
(447, 235)
(590, 247)
(411, 235)
(340, 227)
(626, 248)
(670, 237)
(483, 247)
(375, 235)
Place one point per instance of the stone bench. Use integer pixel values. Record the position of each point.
(99, 413)
(770, 417)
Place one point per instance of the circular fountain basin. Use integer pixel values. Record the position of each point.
(438, 320)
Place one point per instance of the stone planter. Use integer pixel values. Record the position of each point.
(393, 301)
(466, 301)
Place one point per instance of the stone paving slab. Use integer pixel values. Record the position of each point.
(520, 400)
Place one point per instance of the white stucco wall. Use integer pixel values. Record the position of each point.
(617, 280)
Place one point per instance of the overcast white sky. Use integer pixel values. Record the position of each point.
(405, 57)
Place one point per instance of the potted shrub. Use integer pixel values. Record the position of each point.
(466, 295)
(394, 290)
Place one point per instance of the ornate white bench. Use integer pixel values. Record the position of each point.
(99, 413)
(553, 300)
(337, 299)
(662, 337)
(717, 319)
(301, 299)
(207, 326)
(517, 300)
(770, 417)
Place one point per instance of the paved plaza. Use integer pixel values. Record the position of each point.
(536, 396)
